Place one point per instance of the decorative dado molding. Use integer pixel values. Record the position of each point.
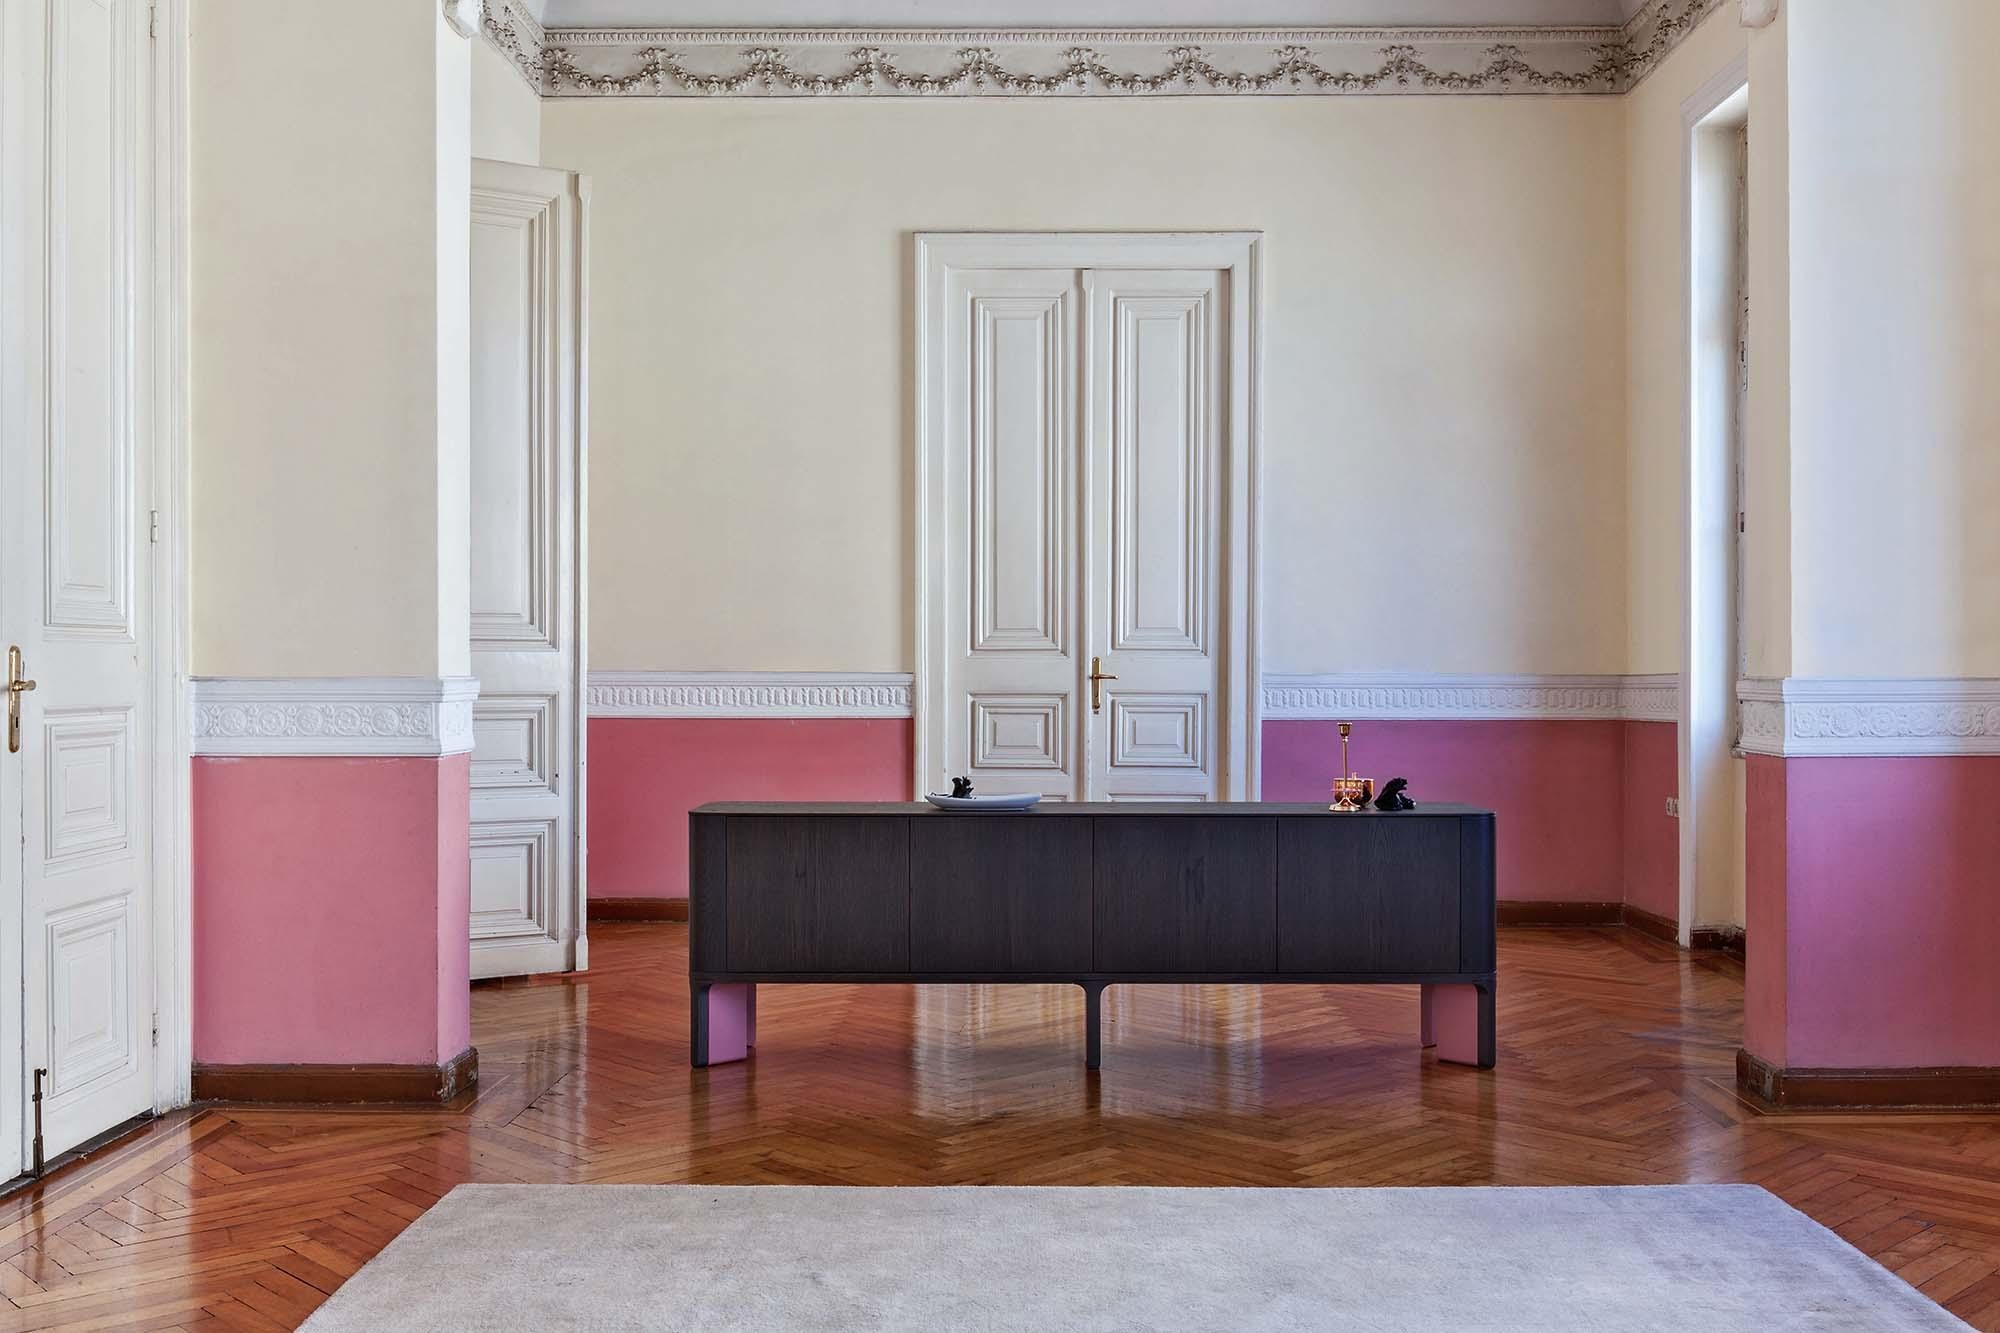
(333, 716)
(887, 694)
(1420, 697)
(1111, 62)
(748, 694)
(1929, 716)
(1650, 698)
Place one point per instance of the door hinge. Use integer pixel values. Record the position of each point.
(153, 21)
(155, 520)
(156, 1029)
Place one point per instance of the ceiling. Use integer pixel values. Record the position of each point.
(1074, 13)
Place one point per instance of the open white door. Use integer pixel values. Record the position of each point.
(527, 569)
(75, 808)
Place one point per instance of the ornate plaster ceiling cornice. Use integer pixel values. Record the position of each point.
(1101, 62)
(463, 15)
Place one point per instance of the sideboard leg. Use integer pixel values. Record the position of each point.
(722, 1023)
(1458, 1020)
(1489, 1052)
(1093, 1024)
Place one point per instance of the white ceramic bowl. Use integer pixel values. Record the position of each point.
(1017, 801)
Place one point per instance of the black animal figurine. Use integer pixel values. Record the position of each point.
(1392, 797)
(961, 787)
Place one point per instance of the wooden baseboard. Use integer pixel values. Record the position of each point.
(638, 909)
(1717, 939)
(1652, 923)
(1966, 1087)
(1511, 913)
(338, 1085)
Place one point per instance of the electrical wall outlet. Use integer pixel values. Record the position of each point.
(1673, 807)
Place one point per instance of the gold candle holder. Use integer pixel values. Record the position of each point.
(1350, 793)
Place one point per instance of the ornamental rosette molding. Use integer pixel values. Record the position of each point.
(1110, 62)
(1922, 716)
(342, 716)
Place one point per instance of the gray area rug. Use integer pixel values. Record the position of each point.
(1713, 1258)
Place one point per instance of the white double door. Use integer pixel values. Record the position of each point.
(77, 771)
(1084, 438)
(528, 552)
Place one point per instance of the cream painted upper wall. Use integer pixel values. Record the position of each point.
(1656, 353)
(1444, 360)
(1767, 467)
(317, 379)
(506, 113)
(1895, 354)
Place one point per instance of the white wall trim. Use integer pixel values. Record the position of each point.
(725, 694)
(1417, 697)
(1086, 62)
(333, 715)
(749, 694)
(1796, 716)
(1650, 698)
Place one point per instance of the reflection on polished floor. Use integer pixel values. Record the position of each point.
(1616, 1059)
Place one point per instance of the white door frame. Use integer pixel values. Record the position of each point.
(173, 803)
(1240, 253)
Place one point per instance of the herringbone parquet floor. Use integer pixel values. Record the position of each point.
(1615, 1067)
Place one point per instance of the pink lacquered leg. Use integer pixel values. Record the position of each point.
(1450, 1022)
(732, 1018)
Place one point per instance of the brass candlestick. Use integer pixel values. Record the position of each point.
(1350, 793)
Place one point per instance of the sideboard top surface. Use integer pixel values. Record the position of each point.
(1059, 809)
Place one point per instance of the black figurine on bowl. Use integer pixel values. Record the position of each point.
(961, 788)
(1392, 797)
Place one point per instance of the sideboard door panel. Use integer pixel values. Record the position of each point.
(1186, 894)
(819, 895)
(1368, 894)
(999, 893)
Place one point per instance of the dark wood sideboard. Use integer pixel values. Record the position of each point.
(1093, 895)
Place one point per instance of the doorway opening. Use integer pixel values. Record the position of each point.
(1711, 782)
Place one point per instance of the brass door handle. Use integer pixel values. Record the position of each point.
(16, 687)
(1097, 679)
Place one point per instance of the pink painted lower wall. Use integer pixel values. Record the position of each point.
(1556, 786)
(1651, 837)
(330, 906)
(646, 773)
(1878, 879)
(1582, 803)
